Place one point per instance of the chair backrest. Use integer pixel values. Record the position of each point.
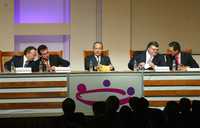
(186, 50)
(0, 61)
(59, 53)
(7, 55)
(90, 52)
(133, 53)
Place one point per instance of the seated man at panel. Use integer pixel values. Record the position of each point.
(149, 58)
(181, 59)
(97, 59)
(27, 60)
(49, 61)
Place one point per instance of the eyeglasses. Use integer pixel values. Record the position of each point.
(154, 49)
(44, 53)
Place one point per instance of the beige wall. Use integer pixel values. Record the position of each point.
(83, 30)
(6, 25)
(116, 31)
(164, 21)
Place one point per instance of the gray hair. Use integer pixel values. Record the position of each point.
(97, 43)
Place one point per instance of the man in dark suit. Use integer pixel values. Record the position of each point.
(49, 61)
(182, 59)
(27, 60)
(97, 58)
(149, 58)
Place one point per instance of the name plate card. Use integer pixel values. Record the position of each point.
(23, 70)
(162, 69)
(193, 69)
(62, 69)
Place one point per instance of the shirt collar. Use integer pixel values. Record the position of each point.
(25, 59)
(147, 54)
(98, 58)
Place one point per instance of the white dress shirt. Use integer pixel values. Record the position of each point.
(98, 58)
(25, 60)
(149, 59)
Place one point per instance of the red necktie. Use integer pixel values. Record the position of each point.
(177, 59)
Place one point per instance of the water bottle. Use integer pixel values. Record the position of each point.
(40, 66)
(45, 69)
(135, 68)
(12, 69)
(90, 66)
(174, 65)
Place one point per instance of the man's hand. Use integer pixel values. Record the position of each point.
(152, 65)
(53, 68)
(111, 67)
(182, 68)
(141, 65)
(48, 66)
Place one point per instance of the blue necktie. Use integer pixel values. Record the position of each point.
(26, 63)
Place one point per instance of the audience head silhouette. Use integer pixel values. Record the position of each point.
(112, 104)
(68, 106)
(133, 103)
(143, 104)
(171, 108)
(185, 105)
(125, 112)
(99, 108)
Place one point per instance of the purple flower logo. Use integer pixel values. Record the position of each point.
(82, 89)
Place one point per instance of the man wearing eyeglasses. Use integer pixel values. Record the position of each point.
(50, 61)
(148, 59)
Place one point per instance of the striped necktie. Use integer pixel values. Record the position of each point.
(26, 63)
(98, 60)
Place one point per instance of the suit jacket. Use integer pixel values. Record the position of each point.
(105, 60)
(186, 59)
(158, 60)
(54, 60)
(57, 61)
(18, 62)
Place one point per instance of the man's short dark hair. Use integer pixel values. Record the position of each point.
(153, 43)
(68, 106)
(28, 49)
(41, 48)
(97, 43)
(175, 45)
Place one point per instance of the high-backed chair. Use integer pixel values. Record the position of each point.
(133, 53)
(0, 61)
(7, 55)
(186, 50)
(90, 52)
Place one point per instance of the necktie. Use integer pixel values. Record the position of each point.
(26, 63)
(177, 59)
(98, 60)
